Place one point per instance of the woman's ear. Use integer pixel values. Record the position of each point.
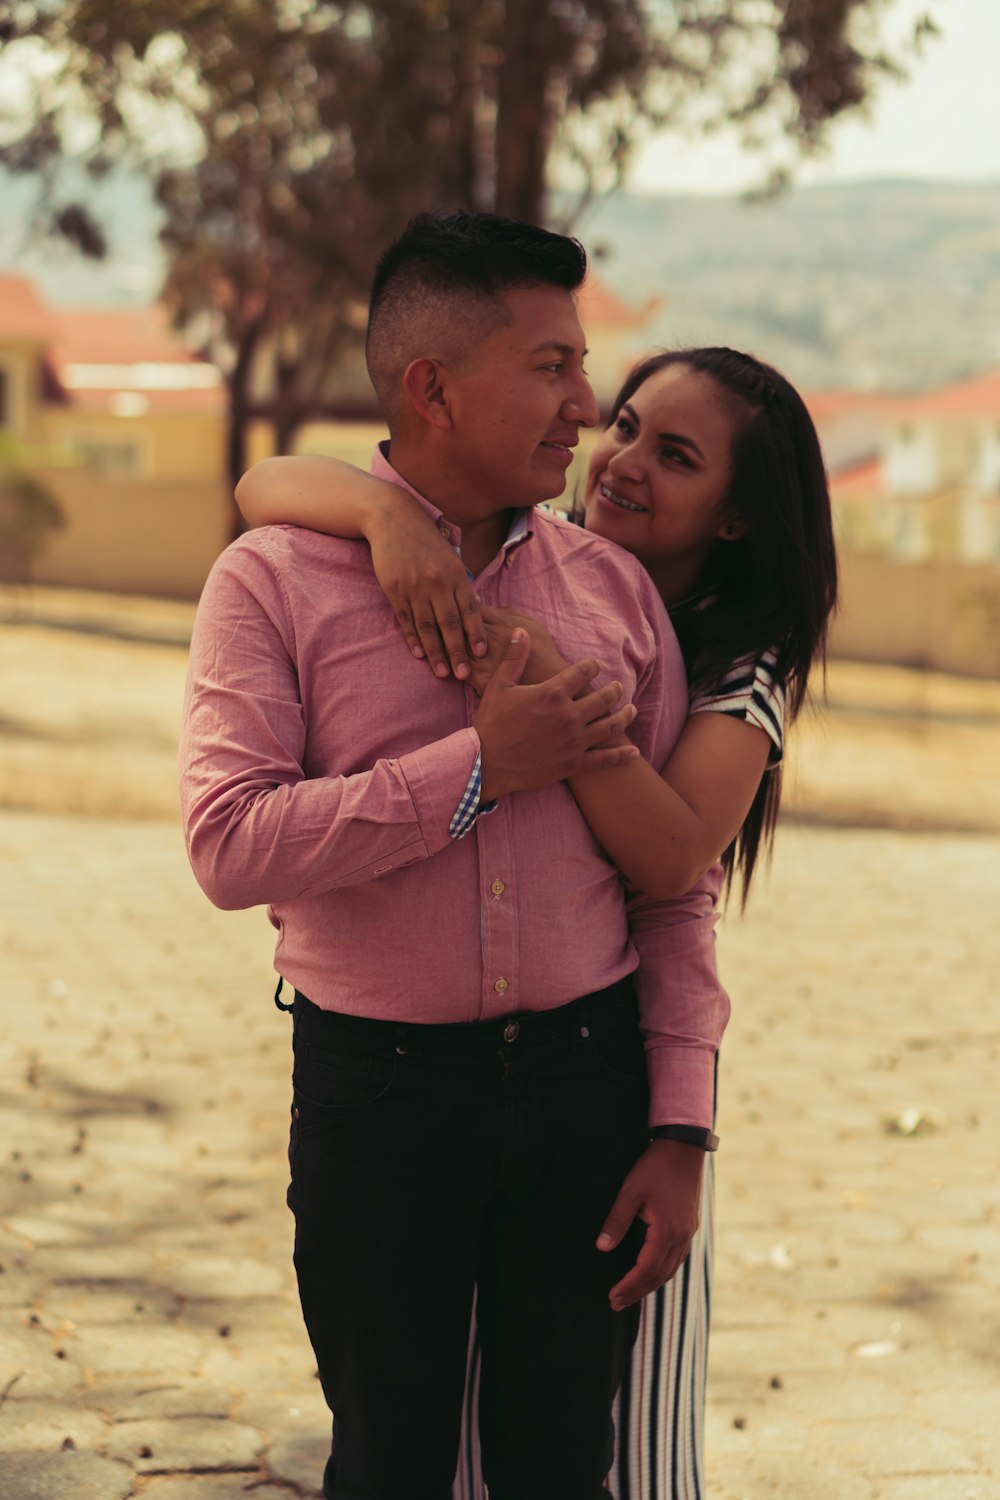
(733, 529)
(424, 383)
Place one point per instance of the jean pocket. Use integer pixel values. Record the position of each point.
(619, 1053)
(332, 1081)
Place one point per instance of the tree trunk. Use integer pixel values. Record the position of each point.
(524, 122)
(238, 417)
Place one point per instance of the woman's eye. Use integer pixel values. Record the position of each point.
(675, 455)
(624, 427)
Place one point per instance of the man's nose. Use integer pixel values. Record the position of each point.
(581, 407)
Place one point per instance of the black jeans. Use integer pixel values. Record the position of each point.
(429, 1162)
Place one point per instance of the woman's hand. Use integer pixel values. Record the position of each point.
(425, 581)
(544, 661)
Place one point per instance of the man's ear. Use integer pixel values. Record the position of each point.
(733, 529)
(424, 382)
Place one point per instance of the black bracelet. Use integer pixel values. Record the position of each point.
(691, 1135)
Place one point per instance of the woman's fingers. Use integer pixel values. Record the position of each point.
(439, 628)
(445, 628)
(474, 624)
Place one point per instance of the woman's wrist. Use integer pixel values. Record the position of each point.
(375, 512)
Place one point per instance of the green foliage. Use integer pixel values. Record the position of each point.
(29, 514)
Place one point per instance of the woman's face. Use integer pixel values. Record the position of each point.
(658, 478)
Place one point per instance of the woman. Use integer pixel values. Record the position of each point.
(710, 473)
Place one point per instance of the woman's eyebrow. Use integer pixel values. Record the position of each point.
(666, 437)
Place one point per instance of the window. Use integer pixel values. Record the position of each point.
(110, 459)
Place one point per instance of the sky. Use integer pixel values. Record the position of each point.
(943, 122)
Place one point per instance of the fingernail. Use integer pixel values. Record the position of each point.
(461, 670)
(441, 670)
(418, 652)
(480, 648)
(604, 1242)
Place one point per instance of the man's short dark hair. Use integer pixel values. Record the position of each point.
(438, 289)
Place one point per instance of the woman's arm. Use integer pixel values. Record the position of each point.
(664, 831)
(420, 573)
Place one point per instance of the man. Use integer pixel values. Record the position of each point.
(470, 1093)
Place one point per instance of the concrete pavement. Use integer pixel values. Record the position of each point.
(150, 1339)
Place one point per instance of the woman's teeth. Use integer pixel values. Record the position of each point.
(620, 500)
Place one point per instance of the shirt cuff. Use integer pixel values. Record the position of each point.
(439, 777)
(681, 1086)
(467, 810)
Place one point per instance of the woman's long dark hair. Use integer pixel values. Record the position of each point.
(776, 587)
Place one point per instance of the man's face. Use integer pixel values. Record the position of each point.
(518, 400)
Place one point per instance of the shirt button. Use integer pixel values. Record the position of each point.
(500, 986)
(510, 1031)
(498, 887)
(445, 533)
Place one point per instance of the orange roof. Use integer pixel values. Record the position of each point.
(101, 354)
(866, 480)
(978, 396)
(828, 406)
(600, 307)
(24, 317)
(117, 336)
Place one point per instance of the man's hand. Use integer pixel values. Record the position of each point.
(544, 661)
(664, 1190)
(532, 736)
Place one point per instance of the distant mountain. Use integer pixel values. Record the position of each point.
(879, 284)
(891, 285)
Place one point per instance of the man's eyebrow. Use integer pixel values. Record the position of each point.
(665, 437)
(565, 349)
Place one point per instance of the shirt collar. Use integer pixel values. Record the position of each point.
(521, 527)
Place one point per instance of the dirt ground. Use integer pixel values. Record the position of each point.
(149, 1338)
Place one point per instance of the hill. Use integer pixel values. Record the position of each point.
(879, 284)
(870, 285)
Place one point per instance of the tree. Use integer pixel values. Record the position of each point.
(29, 514)
(287, 140)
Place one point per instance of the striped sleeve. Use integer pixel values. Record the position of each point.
(752, 692)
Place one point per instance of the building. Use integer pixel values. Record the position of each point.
(918, 525)
(126, 428)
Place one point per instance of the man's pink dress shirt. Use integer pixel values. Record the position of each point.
(322, 765)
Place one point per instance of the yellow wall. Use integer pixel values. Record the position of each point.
(155, 537)
(171, 445)
(943, 616)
